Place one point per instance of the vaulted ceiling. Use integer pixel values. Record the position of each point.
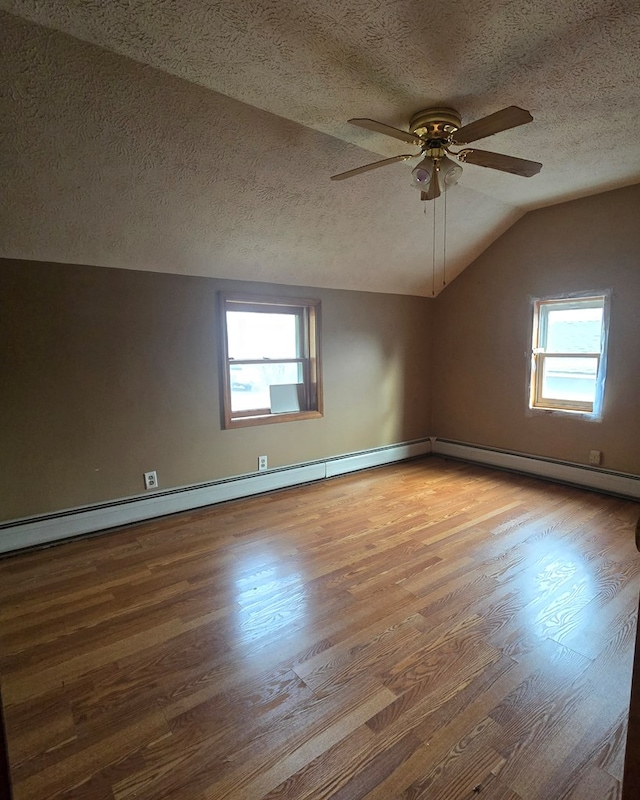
(221, 153)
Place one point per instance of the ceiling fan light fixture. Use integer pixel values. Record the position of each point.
(445, 172)
(449, 173)
(422, 174)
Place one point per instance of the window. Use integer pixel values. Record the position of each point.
(271, 359)
(568, 356)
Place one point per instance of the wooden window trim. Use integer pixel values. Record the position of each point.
(308, 312)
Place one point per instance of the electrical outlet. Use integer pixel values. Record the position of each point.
(595, 456)
(262, 463)
(151, 480)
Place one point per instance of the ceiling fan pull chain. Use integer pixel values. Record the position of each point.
(444, 249)
(433, 249)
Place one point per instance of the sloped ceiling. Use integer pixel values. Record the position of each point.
(217, 160)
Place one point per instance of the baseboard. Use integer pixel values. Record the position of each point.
(49, 528)
(376, 458)
(46, 529)
(602, 480)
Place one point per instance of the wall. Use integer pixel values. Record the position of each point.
(108, 373)
(482, 332)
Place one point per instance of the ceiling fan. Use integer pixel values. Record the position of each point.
(435, 130)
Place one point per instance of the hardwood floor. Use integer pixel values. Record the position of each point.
(426, 630)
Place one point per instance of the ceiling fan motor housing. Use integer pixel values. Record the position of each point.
(435, 124)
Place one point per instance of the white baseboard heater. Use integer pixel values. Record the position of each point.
(40, 530)
(48, 528)
(586, 477)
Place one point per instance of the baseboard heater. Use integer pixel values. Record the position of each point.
(602, 480)
(48, 528)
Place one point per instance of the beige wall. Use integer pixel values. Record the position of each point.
(482, 332)
(108, 373)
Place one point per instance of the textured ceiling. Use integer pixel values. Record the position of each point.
(224, 189)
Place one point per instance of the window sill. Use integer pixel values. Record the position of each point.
(587, 416)
(268, 419)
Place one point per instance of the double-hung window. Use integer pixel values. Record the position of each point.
(568, 354)
(271, 359)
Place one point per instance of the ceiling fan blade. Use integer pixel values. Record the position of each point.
(380, 127)
(510, 117)
(484, 158)
(374, 165)
(423, 196)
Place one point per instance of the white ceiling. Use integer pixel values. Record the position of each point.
(574, 65)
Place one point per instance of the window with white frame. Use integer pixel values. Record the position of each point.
(568, 354)
(270, 359)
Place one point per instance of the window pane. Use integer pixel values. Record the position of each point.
(250, 383)
(573, 330)
(569, 379)
(258, 335)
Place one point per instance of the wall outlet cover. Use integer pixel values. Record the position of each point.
(151, 480)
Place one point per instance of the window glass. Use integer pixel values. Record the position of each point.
(574, 330)
(572, 379)
(251, 334)
(250, 383)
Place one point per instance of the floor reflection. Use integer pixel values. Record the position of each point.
(561, 586)
(270, 594)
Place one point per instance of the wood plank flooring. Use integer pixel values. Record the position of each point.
(425, 630)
